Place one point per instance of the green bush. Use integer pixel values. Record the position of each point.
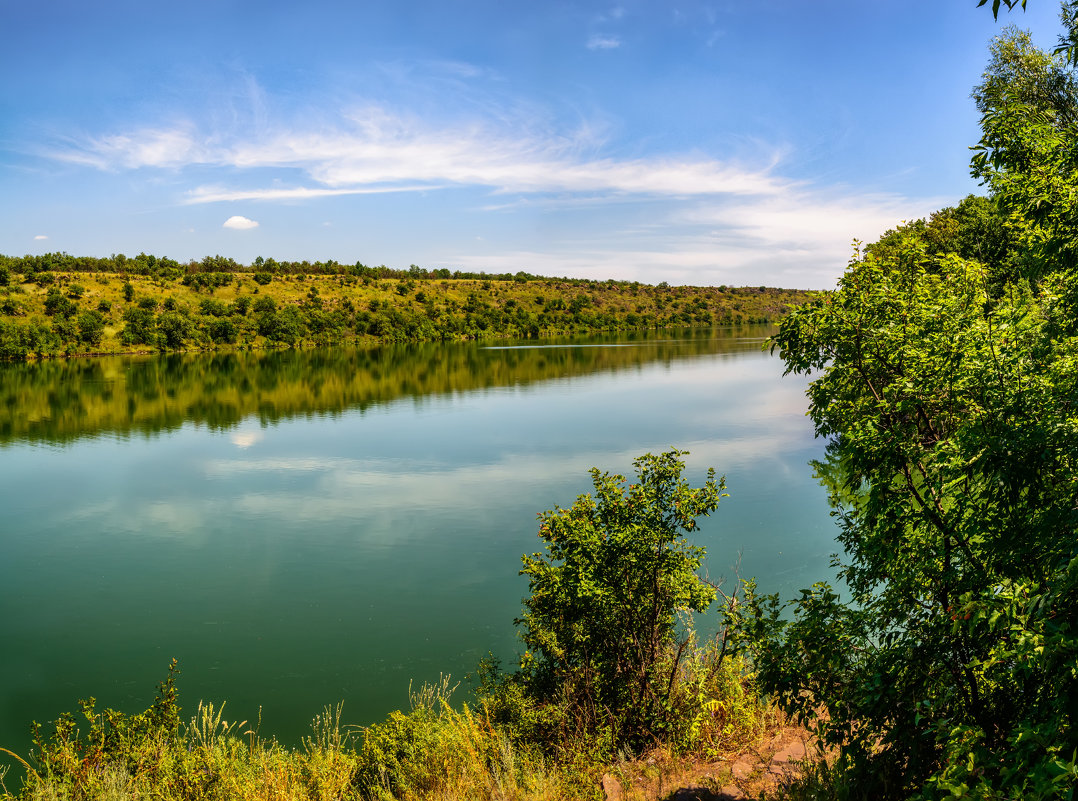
(600, 620)
(91, 327)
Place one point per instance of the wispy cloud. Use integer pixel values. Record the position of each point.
(801, 238)
(146, 147)
(373, 150)
(600, 41)
(217, 194)
(239, 223)
(40, 237)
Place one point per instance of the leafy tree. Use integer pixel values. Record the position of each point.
(1027, 156)
(139, 328)
(174, 329)
(953, 470)
(91, 327)
(947, 391)
(975, 229)
(57, 305)
(605, 595)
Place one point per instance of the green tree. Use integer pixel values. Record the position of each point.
(91, 327)
(953, 472)
(605, 595)
(174, 329)
(1027, 157)
(139, 327)
(975, 229)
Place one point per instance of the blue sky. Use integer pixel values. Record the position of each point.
(736, 142)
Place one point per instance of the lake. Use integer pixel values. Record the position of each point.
(300, 528)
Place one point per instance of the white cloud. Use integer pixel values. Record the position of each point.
(599, 41)
(40, 237)
(147, 147)
(800, 238)
(370, 150)
(239, 223)
(217, 194)
(377, 151)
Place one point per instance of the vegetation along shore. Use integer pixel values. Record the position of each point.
(62, 305)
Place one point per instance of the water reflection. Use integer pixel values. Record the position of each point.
(60, 401)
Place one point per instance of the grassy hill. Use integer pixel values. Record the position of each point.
(45, 311)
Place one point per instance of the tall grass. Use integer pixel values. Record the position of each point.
(434, 750)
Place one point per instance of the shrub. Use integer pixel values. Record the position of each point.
(605, 595)
(174, 329)
(264, 304)
(139, 328)
(91, 327)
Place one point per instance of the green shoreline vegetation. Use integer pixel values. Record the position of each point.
(62, 305)
(945, 371)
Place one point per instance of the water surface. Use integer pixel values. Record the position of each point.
(301, 528)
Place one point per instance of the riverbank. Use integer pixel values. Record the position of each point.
(742, 748)
(72, 313)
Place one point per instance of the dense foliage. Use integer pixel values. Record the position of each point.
(48, 312)
(948, 379)
(605, 595)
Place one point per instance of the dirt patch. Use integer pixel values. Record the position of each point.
(737, 777)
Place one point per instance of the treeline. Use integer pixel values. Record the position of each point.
(45, 312)
(161, 267)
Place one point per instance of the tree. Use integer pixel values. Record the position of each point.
(605, 595)
(953, 471)
(975, 229)
(1027, 156)
(174, 329)
(91, 327)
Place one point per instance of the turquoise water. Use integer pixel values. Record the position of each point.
(304, 528)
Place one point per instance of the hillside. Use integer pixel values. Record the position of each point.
(46, 311)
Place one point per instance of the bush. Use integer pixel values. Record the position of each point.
(605, 595)
(91, 327)
(223, 330)
(213, 308)
(264, 304)
(174, 329)
(139, 328)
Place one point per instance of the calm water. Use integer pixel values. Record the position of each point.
(303, 528)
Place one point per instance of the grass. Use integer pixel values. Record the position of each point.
(434, 750)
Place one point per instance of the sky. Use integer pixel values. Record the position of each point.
(739, 142)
